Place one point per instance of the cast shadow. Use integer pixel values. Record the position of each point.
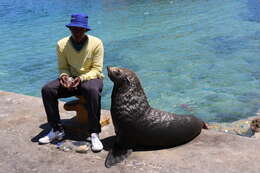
(109, 142)
(45, 129)
(151, 148)
(79, 134)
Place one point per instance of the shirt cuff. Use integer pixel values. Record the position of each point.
(62, 74)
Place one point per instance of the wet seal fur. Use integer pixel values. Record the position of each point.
(138, 124)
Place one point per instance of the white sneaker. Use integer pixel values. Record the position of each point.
(96, 144)
(51, 136)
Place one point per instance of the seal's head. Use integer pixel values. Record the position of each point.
(123, 76)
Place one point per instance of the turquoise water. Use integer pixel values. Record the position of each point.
(192, 56)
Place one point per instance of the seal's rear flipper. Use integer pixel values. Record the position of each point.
(205, 125)
(116, 155)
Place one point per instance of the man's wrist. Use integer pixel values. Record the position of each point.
(81, 78)
(63, 74)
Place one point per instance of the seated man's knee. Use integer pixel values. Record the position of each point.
(46, 89)
(90, 90)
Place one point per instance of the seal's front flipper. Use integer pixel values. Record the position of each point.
(116, 155)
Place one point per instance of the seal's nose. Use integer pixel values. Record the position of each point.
(109, 70)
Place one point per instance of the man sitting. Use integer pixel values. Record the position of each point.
(80, 62)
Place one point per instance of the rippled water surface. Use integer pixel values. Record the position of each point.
(192, 56)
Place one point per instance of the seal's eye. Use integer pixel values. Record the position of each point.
(117, 72)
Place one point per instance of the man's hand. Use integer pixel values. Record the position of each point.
(75, 82)
(65, 81)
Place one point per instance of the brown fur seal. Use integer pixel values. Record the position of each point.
(138, 124)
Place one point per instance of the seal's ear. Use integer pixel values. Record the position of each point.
(128, 81)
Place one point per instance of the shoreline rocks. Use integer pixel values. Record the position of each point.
(245, 127)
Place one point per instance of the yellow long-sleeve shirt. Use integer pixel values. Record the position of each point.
(86, 63)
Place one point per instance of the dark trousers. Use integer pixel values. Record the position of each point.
(90, 90)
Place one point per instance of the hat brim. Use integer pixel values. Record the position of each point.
(78, 25)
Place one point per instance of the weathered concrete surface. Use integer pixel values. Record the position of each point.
(22, 120)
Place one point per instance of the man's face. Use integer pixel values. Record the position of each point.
(77, 33)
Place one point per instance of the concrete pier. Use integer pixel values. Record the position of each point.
(23, 121)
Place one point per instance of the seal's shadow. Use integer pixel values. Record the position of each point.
(109, 142)
(151, 148)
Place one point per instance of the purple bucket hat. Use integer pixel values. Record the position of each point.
(79, 20)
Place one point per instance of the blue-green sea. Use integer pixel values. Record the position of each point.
(200, 57)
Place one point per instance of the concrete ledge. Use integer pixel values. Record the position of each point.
(22, 122)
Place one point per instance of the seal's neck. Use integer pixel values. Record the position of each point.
(130, 97)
